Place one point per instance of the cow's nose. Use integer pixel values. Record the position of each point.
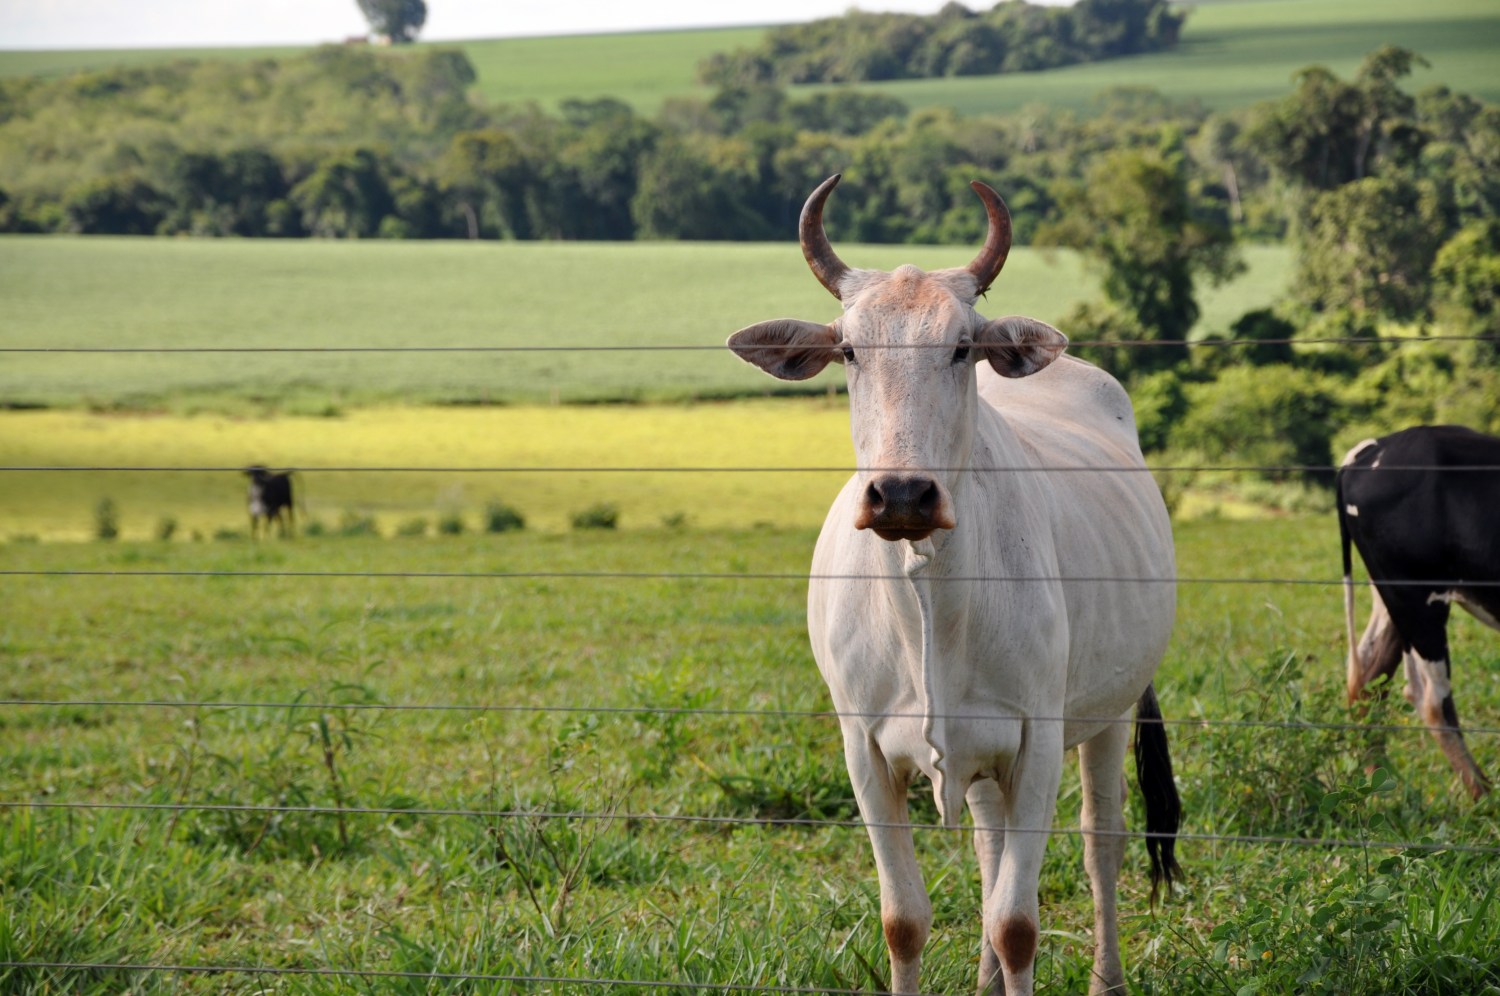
(904, 507)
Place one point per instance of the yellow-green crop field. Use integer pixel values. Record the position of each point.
(795, 432)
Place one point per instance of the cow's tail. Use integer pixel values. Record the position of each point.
(1354, 665)
(1153, 770)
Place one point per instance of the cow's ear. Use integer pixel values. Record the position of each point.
(1019, 347)
(788, 348)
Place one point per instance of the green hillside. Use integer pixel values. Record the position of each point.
(111, 292)
(1233, 52)
(1238, 52)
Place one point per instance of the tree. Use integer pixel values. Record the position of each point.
(398, 20)
(345, 197)
(1466, 275)
(1367, 248)
(1135, 214)
(1331, 131)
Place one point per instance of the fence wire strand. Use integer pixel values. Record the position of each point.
(720, 347)
(740, 821)
(1285, 469)
(1188, 723)
(1444, 583)
(432, 976)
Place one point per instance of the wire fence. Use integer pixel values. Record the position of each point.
(1423, 845)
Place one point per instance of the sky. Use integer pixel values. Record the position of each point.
(178, 23)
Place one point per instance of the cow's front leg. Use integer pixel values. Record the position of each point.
(1101, 760)
(1010, 915)
(905, 910)
(988, 808)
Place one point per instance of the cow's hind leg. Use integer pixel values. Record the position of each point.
(1429, 688)
(905, 910)
(988, 808)
(1377, 653)
(1101, 763)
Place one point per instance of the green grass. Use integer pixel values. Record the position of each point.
(645, 899)
(808, 432)
(643, 69)
(118, 292)
(48, 63)
(1233, 53)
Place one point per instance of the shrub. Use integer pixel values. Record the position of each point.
(315, 528)
(1160, 402)
(416, 526)
(106, 520)
(451, 524)
(166, 528)
(502, 518)
(353, 523)
(1273, 415)
(603, 515)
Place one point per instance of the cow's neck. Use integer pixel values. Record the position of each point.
(952, 555)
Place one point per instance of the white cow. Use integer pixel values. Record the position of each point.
(967, 592)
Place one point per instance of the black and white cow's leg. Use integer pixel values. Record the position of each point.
(905, 909)
(987, 806)
(1429, 688)
(1010, 914)
(1377, 653)
(1101, 763)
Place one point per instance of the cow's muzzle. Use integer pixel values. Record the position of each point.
(905, 508)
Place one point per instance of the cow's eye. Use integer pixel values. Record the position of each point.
(848, 352)
(961, 354)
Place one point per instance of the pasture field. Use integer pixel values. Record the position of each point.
(1233, 53)
(654, 701)
(570, 297)
(795, 432)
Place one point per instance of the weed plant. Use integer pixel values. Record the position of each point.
(502, 518)
(600, 515)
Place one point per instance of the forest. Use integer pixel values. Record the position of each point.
(1012, 37)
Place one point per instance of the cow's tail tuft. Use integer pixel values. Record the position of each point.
(1153, 770)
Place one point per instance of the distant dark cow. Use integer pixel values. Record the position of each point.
(1423, 507)
(269, 498)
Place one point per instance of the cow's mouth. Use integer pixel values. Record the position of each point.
(902, 534)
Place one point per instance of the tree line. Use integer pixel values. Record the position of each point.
(1390, 200)
(1012, 37)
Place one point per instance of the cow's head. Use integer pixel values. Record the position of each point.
(909, 341)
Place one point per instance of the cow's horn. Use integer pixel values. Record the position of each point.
(825, 263)
(987, 265)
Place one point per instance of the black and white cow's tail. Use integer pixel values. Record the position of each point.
(1153, 770)
(1344, 540)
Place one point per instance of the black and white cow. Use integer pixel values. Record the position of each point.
(269, 499)
(1423, 508)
